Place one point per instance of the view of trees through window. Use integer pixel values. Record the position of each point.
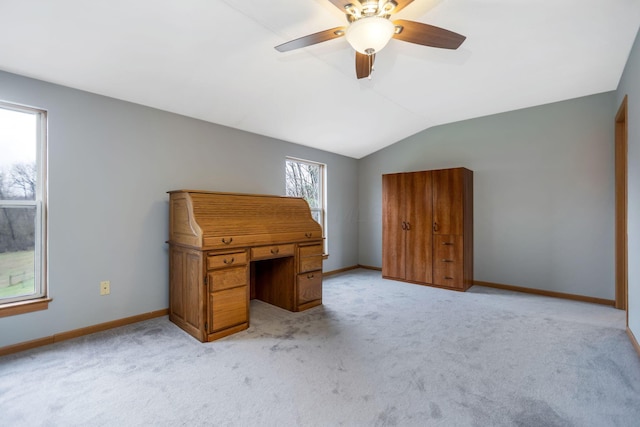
(304, 179)
(18, 203)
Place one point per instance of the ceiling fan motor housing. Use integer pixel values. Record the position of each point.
(370, 8)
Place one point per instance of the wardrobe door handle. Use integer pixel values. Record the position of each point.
(448, 278)
(404, 225)
(435, 226)
(447, 243)
(447, 260)
(408, 225)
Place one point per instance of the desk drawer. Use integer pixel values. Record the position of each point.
(311, 263)
(309, 287)
(226, 260)
(227, 278)
(310, 258)
(274, 251)
(310, 250)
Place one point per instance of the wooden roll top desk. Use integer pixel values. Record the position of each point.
(228, 248)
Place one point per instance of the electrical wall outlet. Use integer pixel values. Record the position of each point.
(105, 287)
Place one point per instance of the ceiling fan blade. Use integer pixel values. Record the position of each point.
(364, 64)
(312, 39)
(401, 5)
(427, 35)
(340, 4)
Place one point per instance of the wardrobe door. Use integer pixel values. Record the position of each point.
(448, 191)
(417, 227)
(393, 233)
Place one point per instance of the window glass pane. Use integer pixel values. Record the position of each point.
(304, 180)
(18, 145)
(17, 251)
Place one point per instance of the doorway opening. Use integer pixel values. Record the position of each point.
(621, 260)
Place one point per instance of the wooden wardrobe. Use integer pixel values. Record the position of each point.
(427, 227)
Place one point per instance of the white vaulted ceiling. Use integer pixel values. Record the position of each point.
(215, 60)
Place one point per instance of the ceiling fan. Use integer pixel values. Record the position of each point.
(369, 30)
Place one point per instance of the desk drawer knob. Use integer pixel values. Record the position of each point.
(308, 235)
(229, 262)
(274, 251)
(448, 278)
(226, 242)
(447, 243)
(447, 260)
(310, 276)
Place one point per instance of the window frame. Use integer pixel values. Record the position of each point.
(40, 299)
(323, 194)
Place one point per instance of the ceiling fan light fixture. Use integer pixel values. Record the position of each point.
(371, 32)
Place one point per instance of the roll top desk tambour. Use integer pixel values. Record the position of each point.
(228, 248)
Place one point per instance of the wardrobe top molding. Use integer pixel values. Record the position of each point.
(209, 220)
(429, 170)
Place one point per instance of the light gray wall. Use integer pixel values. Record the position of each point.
(543, 193)
(544, 197)
(630, 86)
(110, 165)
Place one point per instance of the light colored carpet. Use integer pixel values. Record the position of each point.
(377, 353)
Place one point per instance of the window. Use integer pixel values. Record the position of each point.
(306, 179)
(22, 208)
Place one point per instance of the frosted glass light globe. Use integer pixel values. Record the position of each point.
(371, 32)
